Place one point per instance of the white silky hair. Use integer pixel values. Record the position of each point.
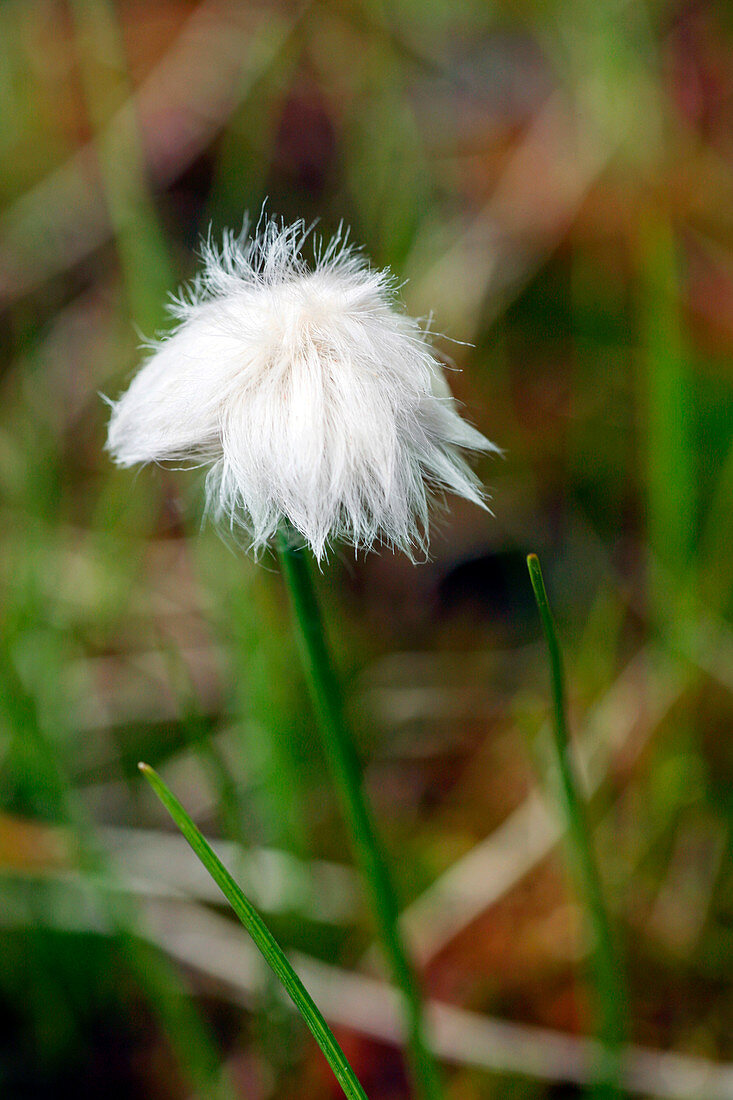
(317, 402)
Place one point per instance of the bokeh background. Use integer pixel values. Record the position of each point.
(553, 179)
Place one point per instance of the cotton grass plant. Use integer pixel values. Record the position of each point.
(324, 418)
(323, 415)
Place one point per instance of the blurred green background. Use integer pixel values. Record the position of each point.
(554, 183)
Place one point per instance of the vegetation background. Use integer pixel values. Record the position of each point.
(554, 181)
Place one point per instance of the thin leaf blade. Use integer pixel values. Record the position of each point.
(263, 938)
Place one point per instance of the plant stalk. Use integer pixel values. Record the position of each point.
(342, 757)
(610, 991)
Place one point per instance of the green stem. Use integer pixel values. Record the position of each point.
(326, 695)
(610, 987)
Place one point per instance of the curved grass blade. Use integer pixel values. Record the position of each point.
(262, 937)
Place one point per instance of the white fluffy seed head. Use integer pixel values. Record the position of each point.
(316, 402)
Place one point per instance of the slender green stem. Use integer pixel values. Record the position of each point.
(263, 938)
(610, 990)
(327, 700)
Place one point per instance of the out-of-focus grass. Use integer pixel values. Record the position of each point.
(671, 480)
(557, 181)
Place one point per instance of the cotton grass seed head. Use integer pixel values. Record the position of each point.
(315, 400)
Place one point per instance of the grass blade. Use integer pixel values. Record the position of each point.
(610, 987)
(669, 398)
(262, 937)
